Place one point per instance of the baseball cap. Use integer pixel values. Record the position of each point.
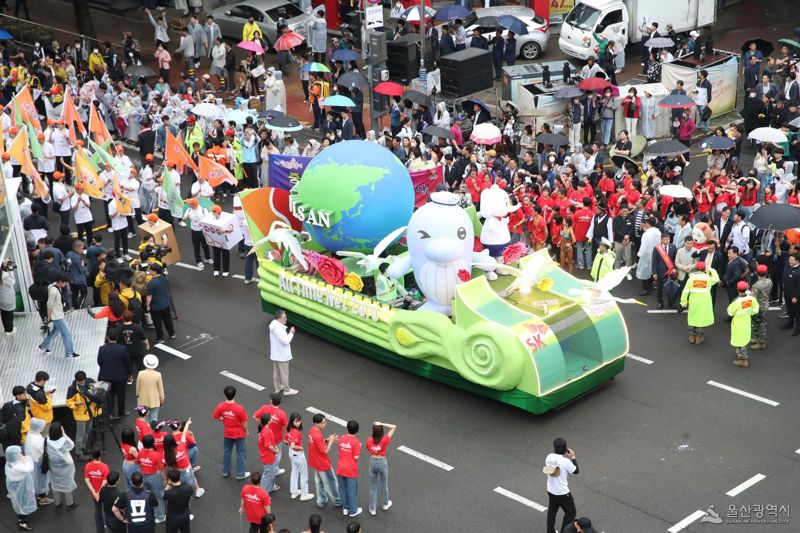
(216, 209)
(148, 157)
(761, 269)
(741, 286)
(700, 265)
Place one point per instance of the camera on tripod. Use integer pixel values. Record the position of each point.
(97, 392)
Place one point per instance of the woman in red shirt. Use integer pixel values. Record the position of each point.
(527, 213)
(769, 195)
(704, 196)
(176, 455)
(537, 229)
(299, 473)
(158, 434)
(750, 195)
(473, 186)
(606, 183)
(377, 445)
(515, 221)
(634, 193)
(142, 425)
(130, 450)
(793, 197)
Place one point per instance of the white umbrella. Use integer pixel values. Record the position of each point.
(486, 133)
(208, 110)
(768, 135)
(676, 191)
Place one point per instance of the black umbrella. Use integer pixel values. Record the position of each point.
(469, 106)
(416, 97)
(762, 45)
(553, 139)
(622, 161)
(718, 142)
(673, 101)
(437, 131)
(271, 114)
(566, 93)
(778, 217)
(666, 148)
(350, 78)
(283, 123)
(140, 71)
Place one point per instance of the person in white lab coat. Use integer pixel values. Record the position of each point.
(650, 239)
(648, 115)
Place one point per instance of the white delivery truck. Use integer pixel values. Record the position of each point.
(621, 21)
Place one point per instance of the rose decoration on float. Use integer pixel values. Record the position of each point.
(332, 270)
(464, 275)
(514, 252)
(354, 281)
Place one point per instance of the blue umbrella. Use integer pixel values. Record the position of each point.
(5, 36)
(338, 100)
(513, 24)
(345, 55)
(456, 11)
(238, 116)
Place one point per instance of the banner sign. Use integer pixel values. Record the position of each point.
(724, 79)
(285, 170)
(425, 182)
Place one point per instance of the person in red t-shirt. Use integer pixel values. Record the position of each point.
(234, 430)
(324, 477)
(141, 423)
(516, 220)
(298, 478)
(94, 474)
(537, 229)
(580, 224)
(377, 445)
(151, 464)
(267, 450)
(176, 455)
(274, 409)
(256, 503)
(347, 470)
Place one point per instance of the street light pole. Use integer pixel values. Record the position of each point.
(423, 75)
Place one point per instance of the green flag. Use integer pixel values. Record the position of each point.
(18, 122)
(36, 148)
(202, 202)
(173, 195)
(104, 157)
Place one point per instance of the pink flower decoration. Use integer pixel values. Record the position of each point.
(514, 252)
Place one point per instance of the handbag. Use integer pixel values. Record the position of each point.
(44, 466)
(672, 288)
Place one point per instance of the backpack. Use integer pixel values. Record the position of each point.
(135, 307)
(706, 114)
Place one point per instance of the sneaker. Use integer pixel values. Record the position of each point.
(44, 501)
(130, 381)
(201, 265)
(72, 507)
(110, 230)
(199, 493)
(209, 261)
(44, 350)
(24, 526)
(387, 506)
(225, 274)
(126, 257)
(191, 517)
(358, 512)
(245, 476)
(172, 336)
(216, 273)
(280, 471)
(295, 495)
(11, 332)
(629, 277)
(161, 520)
(345, 512)
(183, 225)
(372, 512)
(246, 282)
(73, 354)
(160, 341)
(131, 235)
(306, 497)
(290, 392)
(197, 468)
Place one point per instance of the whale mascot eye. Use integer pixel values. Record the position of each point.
(423, 234)
(461, 233)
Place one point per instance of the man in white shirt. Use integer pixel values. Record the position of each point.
(280, 352)
(81, 204)
(684, 230)
(558, 465)
(47, 165)
(194, 215)
(61, 199)
(130, 188)
(740, 234)
(119, 225)
(62, 147)
(107, 186)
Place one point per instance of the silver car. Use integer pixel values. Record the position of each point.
(266, 13)
(529, 46)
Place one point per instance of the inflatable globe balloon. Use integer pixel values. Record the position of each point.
(352, 195)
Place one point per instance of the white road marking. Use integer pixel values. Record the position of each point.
(242, 380)
(662, 311)
(187, 265)
(743, 393)
(517, 498)
(640, 359)
(173, 351)
(686, 521)
(238, 276)
(332, 418)
(426, 458)
(797, 451)
(738, 489)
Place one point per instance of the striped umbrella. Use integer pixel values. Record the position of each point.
(314, 67)
(413, 14)
(289, 40)
(486, 133)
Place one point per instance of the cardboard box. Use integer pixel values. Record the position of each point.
(215, 230)
(159, 231)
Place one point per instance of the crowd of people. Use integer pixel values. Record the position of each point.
(589, 214)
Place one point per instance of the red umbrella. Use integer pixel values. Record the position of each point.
(288, 40)
(594, 83)
(389, 88)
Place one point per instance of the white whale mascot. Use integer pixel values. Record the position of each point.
(440, 241)
(495, 208)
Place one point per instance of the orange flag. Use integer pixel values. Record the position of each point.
(176, 153)
(97, 127)
(87, 175)
(27, 109)
(21, 151)
(39, 187)
(69, 114)
(215, 173)
(123, 202)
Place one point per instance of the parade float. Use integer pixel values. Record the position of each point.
(346, 254)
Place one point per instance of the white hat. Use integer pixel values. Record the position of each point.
(694, 33)
(151, 361)
(605, 241)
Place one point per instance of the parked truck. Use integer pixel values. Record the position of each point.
(622, 20)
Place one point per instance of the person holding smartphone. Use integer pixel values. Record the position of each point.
(558, 465)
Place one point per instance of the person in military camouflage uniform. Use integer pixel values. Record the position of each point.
(761, 289)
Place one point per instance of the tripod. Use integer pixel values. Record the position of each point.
(99, 426)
